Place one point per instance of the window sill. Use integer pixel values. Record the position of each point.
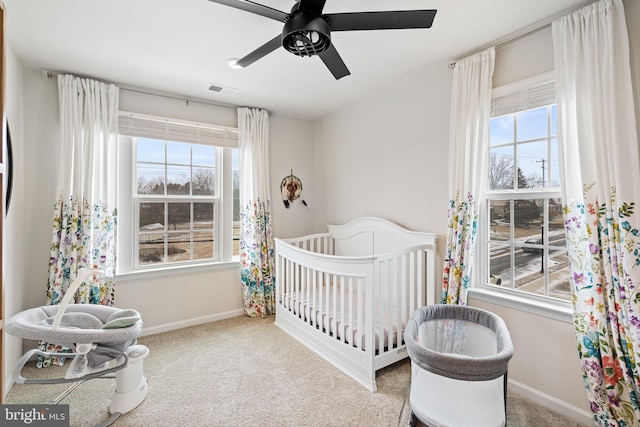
(175, 270)
(561, 311)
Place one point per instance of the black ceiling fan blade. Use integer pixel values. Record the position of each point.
(391, 20)
(263, 50)
(256, 8)
(334, 63)
(313, 6)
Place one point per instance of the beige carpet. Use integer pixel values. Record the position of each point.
(247, 372)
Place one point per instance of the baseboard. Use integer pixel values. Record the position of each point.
(553, 403)
(190, 322)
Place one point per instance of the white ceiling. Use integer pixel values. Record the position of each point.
(180, 47)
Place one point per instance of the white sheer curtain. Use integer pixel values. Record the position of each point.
(601, 189)
(468, 151)
(84, 219)
(257, 262)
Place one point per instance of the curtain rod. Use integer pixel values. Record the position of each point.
(48, 75)
(524, 32)
(522, 36)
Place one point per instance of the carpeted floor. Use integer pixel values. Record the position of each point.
(245, 372)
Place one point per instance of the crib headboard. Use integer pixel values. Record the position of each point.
(371, 236)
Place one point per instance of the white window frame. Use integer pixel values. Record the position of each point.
(132, 125)
(509, 99)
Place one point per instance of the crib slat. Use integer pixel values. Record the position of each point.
(342, 309)
(379, 321)
(336, 303)
(360, 312)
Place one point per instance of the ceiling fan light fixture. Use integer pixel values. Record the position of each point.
(305, 35)
(233, 63)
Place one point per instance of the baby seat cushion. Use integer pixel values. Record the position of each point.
(112, 329)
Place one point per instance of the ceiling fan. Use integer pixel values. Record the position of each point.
(307, 31)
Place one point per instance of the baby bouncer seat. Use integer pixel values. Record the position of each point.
(459, 360)
(102, 340)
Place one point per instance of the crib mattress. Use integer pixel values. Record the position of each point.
(385, 332)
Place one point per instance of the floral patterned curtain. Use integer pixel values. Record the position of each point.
(84, 218)
(601, 186)
(257, 261)
(468, 148)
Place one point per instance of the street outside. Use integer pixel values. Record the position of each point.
(528, 261)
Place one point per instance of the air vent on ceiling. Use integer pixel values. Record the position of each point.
(222, 89)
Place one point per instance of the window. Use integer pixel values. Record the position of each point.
(522, 228)
(179, 193)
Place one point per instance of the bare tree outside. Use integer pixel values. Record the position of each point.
(154, 185)
(500, 171)
(203, 182)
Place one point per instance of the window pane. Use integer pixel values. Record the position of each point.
(500, 265)
(554, 120)
(150, 150)
(179, 235)
(151, 248)
(203, 230)
(203, 183)
(527, 219)
(532, 164)
(178, 153)
(204, 155)
(178, 246)
(179, 216)
(554, 165)
(501, 168)
(528, 271)
(556, 220)
(203, 215)
(532, 124)
(236, 201)
(500, 220)
(178, 180)
(203, 244)
(501, 130)
(559, 285)
(150, 179)
(152, 216)
(151, 233)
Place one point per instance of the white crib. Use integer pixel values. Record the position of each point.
(347, 294)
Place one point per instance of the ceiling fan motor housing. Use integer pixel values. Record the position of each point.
(305, 34)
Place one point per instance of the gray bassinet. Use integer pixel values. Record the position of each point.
(460, 356)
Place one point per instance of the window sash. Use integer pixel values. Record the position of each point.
(167, 232)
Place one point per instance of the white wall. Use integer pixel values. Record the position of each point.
(387, 155)
(292, 150)
(14, 262)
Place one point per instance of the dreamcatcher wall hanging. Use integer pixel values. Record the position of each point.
(291, 189)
